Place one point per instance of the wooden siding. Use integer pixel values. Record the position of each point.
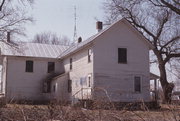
(24, 85)
(80, 69)
(118, 79)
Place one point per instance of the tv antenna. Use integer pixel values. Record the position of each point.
(75, 28)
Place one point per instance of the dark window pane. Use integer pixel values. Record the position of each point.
(89, 55)
(29, 66)
(51, 67)
(48, 87)
(122, 55)
(54, 88)
(137, 84)
(69, 86)
(70, 63)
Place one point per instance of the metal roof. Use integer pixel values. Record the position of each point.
(54, 51)
(32, 50)
(82, 44)
(76, 46)
(153, 76)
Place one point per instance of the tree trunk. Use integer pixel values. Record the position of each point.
(167, 87)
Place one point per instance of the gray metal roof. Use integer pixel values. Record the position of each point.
(32, 50)
(78, 46)
(54, 51)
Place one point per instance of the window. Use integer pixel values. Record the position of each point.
(51, 67)
(122, 55)
(69, 86)
(89, 80)
(47, 87)
(137, 84)
(83, 81)
(70, 64)
(89, 55)
(54, 88)
(29, 66)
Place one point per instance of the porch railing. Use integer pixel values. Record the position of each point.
(82, 94)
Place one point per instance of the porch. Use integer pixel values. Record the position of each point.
(154, 87)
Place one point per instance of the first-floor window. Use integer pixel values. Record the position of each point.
(29, 66)
(69, 86)
(47, 87)
(54, 88)
(137, 84)
(89, 80)
(70, 67)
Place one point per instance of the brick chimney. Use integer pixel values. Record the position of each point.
(99, 25)
(79, 39)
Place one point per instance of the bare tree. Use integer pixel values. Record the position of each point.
(13, 16)
(159, 25)
(50, 38)
(174, 5)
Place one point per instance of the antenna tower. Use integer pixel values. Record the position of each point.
(75, 29)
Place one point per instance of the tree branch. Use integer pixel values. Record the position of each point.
(165, 19)
(1, 6)
(168, 42)
(173, 8)
(171, 56)
(155, 4)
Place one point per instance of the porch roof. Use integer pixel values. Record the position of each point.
(153, 76)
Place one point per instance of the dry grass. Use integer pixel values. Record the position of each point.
(14, 112)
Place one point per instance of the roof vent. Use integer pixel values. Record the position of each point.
(79, 40)
(99, 25)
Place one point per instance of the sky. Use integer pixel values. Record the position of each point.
(58, 16)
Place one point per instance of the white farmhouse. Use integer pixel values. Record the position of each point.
(111, 65)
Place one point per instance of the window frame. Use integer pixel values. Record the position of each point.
(89, 55)
(47, 87)
(122, 59)
(49, 70)
(140, 88)
(89, 80)
(70, 63)
(29, 68)
(69, 86)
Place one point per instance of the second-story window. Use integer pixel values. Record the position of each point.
(70, 67)
(89, 55)
(51, 67)
(122, 55)
(29, 66)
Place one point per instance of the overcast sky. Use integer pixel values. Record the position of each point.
(58, 16)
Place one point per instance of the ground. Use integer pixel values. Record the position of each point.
(14, 112)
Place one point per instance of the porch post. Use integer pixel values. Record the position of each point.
(155, 89)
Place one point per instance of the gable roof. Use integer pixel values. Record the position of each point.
(77, 46)
(31, 50)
